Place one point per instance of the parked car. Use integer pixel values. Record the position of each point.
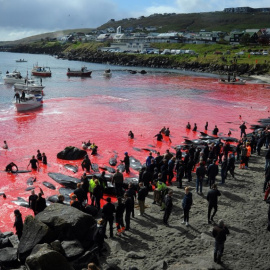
(166, 51)
(217, 52)
(190, 52)
(265, 52)
(240, 53)
(179, 51)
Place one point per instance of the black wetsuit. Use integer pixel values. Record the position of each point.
(10, 166)
(159, 137)
(34, 163)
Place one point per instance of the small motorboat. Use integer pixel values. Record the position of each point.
(21, 60)
(83, 72)
(14, 77)
(233, 81)
(107, 73)
(30, 102)
(41, 71)
(28, 85)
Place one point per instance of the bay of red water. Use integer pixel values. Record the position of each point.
(104, 111)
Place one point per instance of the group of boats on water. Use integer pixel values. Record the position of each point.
(29, 93)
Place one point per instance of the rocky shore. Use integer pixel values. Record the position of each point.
(142, 61)
(60, 236)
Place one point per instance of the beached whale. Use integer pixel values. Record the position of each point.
(135, 163)
(21, 171)
(21, 202)
(131, 180)
(65, 180)
(71, 168)
(113, 161)
(49, 185)
(95, 167)
(29, 188)
(31, 180)
(137, 149)
(121, 167)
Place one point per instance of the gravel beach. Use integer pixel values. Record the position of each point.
(151, 245)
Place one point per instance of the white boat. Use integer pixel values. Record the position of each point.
(233, 82)
(14, 77)
(29, 85)
(30, 102)
(107, 73)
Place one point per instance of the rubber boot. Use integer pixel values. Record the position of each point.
(215, 257)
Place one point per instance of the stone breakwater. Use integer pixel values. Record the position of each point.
(139, 60)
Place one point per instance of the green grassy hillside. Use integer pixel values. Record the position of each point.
(210, 21)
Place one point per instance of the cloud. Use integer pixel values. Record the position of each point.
(52, 15)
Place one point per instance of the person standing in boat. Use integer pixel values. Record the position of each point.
(23, 96)
(17, 96)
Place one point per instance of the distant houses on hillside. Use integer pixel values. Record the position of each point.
(126, 40)
(246, 10)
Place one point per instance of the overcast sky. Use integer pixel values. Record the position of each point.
(23, 18)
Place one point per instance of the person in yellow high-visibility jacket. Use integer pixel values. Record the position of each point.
(159, 190)
(92, 185)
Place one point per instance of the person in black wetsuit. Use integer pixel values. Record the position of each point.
(9, 167)
(18, 224)
(44, 159)
(215, 130)
(34, 163)
(86, 163)
(188, 126)
(39, 156)
(131, 134)
(126, 162)
(40, 204)
(159, 136)
(32, 200)
(195, 127)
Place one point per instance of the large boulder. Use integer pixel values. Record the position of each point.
(69, 223)
(71, 153)
(34, 232)
(72, 248)
(8, 257)
(43, 257)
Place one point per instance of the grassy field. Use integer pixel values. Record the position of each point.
(209, 21)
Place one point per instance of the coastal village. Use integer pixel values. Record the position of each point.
(137, 39)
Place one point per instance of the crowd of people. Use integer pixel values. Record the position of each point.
(205, 162)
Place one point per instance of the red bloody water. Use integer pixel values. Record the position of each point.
(143, 104)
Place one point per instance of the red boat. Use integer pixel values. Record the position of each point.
(41, 71)
(83, 72)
